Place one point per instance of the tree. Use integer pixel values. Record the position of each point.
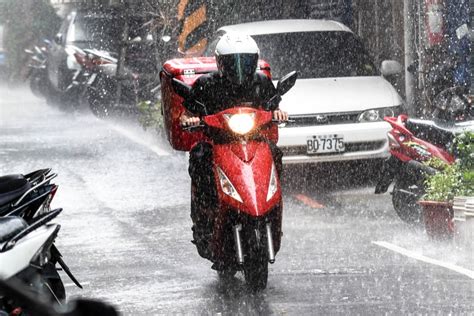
(26, 22)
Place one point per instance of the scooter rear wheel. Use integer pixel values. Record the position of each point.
(404, 200)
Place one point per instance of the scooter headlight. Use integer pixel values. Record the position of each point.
(241, 123)
(227, 186)
(273, 185)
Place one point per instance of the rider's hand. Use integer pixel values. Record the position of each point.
(280, 115)
(189, 120)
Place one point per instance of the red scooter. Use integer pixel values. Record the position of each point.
(246, 230)
(412, 142)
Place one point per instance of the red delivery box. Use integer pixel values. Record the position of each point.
(188, 70)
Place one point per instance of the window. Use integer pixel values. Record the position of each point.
(315, 54)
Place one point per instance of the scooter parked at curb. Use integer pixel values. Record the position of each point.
(246, 225)
(27, 195)
(37, 73)
(27, 198)
(33, 305)
(26, 256)
(412, 143)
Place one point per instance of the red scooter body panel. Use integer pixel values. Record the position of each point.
(187, 70)
(410, 147)
(248, 166)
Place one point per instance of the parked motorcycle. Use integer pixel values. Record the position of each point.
(33, 305)
(27, 198)
(26, 255)
(37, 74)
(27, 195)
(103, 89)
(98, 79)
(415, 141)
(246, 231)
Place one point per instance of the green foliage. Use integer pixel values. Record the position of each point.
(456, 179)
(465, 150)
(150, 115)
(444, 185)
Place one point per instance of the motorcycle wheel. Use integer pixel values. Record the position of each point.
(35, 87)
(256, 266)
(405, 204)
(97, 103)
(226, 274)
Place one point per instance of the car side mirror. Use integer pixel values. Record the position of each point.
(286, 83)
(390, 67)
(58, 39)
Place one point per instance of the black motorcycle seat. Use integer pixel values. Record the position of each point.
(10, 226)
(12, 187)
(440, 134)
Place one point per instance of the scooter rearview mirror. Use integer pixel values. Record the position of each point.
(273, 103)
(181, 88)
(287, 82)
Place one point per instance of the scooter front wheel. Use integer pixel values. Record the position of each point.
(256, 272)
(256, 263)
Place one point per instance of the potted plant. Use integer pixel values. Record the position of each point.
(451, 180)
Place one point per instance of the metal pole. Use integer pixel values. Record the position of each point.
(409, 54)
(121, 60)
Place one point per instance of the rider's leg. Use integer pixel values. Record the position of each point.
(204, 196)
(277, 157)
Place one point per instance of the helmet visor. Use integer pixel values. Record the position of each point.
(238, 67)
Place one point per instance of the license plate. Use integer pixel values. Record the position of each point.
(325, 144)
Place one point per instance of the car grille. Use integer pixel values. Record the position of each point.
(323, 119)
(350, 147)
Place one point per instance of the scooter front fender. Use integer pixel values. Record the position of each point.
(249, 167)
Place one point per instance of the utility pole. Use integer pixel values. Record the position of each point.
(122, 55)
(408, 13)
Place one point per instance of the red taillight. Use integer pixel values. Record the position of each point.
(53, 193)
(90, 61)
(82, 59)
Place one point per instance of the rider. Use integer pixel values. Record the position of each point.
(235, 83)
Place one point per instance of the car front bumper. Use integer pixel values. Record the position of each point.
(362, 141)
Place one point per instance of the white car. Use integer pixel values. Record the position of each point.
(339, 101)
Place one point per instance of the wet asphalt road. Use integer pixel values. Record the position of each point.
(126, 229)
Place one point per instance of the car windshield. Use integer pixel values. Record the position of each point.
(101, 31)
(315, 54)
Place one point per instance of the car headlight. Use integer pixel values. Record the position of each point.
(227, 186)
(273, 185)
(241, 123)
(376, 115)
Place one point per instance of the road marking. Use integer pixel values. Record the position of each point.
(420, 257)
(72, 284)
(308, 201)
(136, 139)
